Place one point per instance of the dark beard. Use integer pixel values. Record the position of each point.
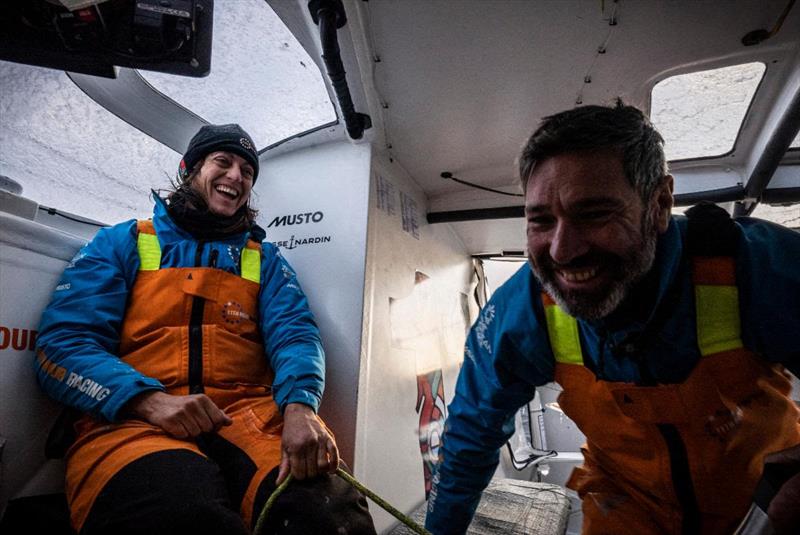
(628, 271)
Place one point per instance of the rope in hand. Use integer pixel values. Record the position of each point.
(413, 526)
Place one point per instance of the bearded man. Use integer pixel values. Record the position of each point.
(669, 335)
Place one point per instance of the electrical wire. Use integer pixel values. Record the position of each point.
(449, 176)
(537, 455)
(53, 211)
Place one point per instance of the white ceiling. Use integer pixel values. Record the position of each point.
(463, 83)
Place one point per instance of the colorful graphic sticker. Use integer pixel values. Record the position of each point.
(432, 414)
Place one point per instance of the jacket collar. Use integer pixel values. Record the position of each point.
(640, 306)
(169, 232)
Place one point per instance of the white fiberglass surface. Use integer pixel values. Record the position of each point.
(260, 77)
(700, 113)
(69, 153)
(785, 215)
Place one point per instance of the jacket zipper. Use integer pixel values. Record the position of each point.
(678, 463)
(196, 334)
(681, 479)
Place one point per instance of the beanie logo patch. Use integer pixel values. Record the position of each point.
(244, 142)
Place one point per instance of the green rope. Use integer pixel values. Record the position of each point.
(267, 506)
(413, 526)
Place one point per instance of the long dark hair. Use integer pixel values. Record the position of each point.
(189, 208)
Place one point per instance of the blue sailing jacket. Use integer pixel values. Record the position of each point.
(508, 352)
(78, 339)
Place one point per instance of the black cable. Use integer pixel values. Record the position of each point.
(155, 57)
(532, 458)
(449, 176)
(53, 211)
(537, 454)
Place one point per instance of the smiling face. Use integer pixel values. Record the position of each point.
(590, 236)
(224, 180)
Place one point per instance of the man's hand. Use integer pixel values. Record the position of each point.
(307, 449)
(784, 510)
(180, 416)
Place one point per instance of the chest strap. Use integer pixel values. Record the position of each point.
(150, 252)
(711, 242)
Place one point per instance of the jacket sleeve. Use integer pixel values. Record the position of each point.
(480, 420)
(76, 356)
(769, 286)
(291, 337)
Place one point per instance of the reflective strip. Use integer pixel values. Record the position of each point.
(718, 326)
(251, 265)
(149, 252)
(564, 338)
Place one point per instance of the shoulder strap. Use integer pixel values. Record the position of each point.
(712, 239)
(562, 329)
(150, 252)
(251, 261)
(711, 231)
(148, 246)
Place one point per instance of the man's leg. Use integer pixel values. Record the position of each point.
(167, 492)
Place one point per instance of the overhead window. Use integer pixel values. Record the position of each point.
(700, 113)
(260, 77)
(69, 153)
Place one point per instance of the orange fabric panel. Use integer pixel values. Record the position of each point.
(145, 226)
(155, 333)
(714, 270)
(101, 451)
(252, 244)
(547, 300)
(731, 411)
(104, 449)
(260, 439)
(611, 506)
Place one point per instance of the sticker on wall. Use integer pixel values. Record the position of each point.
(296, 219)
(293, 242)
(408, 211)
(387, 200)
(17, 338)
(432, 414)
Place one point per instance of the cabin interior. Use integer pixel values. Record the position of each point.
(388, 180)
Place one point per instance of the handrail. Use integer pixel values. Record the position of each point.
(329, 15)
(771, 157)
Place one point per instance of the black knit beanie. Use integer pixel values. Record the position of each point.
(213, 137)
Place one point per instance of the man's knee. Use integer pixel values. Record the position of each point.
(175, 491)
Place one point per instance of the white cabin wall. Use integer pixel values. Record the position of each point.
(411, 326)
(326, 249)
(32, 257)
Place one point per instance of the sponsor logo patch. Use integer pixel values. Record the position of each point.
(233, 314)
(293, 242)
